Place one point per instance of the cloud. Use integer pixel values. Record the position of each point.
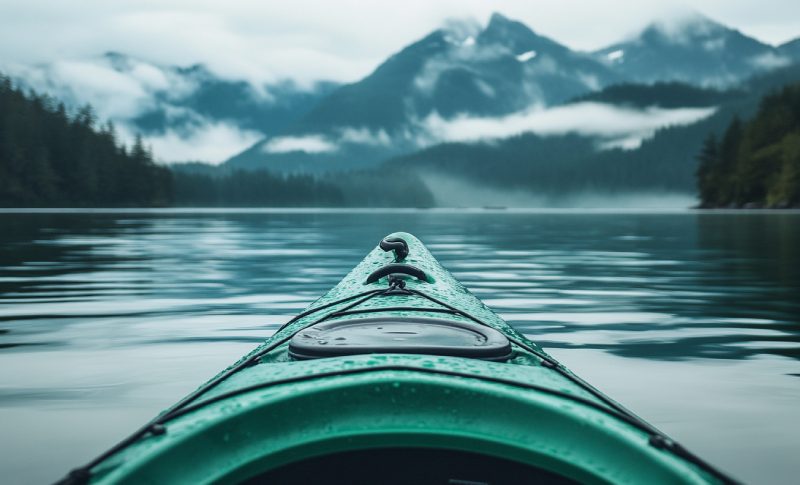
(308, 144)
(615, 126)
(121, 89)
(770, 61)
(208, 142)
(364, 136)
(113, 94)
(118, 87)
(454, 191)
(619, 126)
(311, 40)
(682, 27)
(327, 144)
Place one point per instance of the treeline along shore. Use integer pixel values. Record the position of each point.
(755, 164)
(51, 156)
(204, 185)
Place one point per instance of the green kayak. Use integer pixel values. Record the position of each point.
(398, 375)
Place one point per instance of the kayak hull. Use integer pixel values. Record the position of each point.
(266, 429)
(271, 411)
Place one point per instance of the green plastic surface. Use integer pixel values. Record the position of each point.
(243, 435)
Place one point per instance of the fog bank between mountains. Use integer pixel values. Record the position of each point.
(618, 126)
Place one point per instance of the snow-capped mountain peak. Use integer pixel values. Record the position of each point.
(690, 48)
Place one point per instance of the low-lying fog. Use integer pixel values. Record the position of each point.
(451, 191)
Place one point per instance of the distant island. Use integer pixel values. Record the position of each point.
(755, 164)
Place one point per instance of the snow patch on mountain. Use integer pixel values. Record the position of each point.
(617, 56)
(691, 48)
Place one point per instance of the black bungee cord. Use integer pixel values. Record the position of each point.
(82, 475)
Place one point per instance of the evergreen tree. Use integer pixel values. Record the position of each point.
(708, 172)
(786, 188)
(49, 158)
(728, 153)
(759, 161)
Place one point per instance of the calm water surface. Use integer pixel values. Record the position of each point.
(691, 320)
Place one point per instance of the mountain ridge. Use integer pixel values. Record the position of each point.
(503, 69)
(693, 49)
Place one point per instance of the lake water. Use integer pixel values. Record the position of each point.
(689, 319)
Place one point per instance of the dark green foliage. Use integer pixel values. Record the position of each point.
(562, 164)
(382, 188)
(260, 188)
(708, 170)
(49, 158)
(201, 185)
(758, 162)
(558, 165)
(521, 161)
(666, 95)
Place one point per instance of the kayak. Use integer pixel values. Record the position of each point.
(397, 375)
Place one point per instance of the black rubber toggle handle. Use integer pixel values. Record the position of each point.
(397, 269)
(396, 244)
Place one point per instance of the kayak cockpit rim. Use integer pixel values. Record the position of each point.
(348, 306)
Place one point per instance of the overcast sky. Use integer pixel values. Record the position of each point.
(341, 40)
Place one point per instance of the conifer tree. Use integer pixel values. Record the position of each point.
(50, 158)
(708, 171)
(728, 153)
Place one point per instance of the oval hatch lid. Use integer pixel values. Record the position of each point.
(399, 335)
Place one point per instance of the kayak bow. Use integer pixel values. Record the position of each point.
(397, 375)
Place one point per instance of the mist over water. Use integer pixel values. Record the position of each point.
(689, 319)
(450, 191)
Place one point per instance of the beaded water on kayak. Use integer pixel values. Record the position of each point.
(397, 375)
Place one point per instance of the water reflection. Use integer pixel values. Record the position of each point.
(642, 285)
(130, 311)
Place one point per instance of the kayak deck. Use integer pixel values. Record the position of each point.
(273, 415)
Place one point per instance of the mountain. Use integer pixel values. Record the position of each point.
(558, 167)
(467, 78)
(500, 70)
(461, 71)
(665, 95)
(267, 110)
(464, 82)
(791, 49)
(692, 49)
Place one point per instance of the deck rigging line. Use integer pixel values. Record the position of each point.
(82, 475)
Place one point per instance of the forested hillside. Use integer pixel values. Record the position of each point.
(664, 94)
(559, 165)
(52, 158)
(757, 162)
(202, 185)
